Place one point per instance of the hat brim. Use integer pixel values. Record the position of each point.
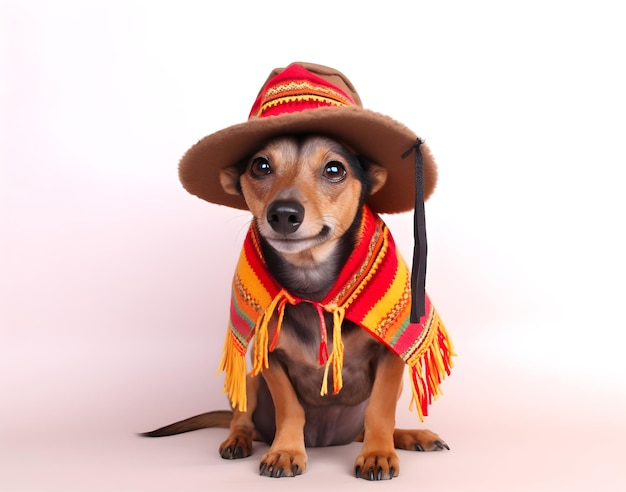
(372, 135)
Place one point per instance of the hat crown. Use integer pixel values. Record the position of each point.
(303, 86)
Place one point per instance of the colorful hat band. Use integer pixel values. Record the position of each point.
(291, 94)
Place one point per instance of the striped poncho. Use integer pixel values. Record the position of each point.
(372, 290)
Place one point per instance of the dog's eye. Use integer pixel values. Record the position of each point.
(334, 171)
(260, 167)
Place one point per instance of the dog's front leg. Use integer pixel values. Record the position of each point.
(287, 455)
(378, 459)
(242, 433)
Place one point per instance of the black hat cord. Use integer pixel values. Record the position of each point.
(420, 249)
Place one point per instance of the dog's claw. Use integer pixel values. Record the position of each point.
(235, 447)
(278, 464)
(377, 466)
(229, 454)
(418, 440)
(440, 445)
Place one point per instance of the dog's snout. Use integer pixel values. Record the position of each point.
(285, 216)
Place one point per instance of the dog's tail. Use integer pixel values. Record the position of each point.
(218, 418)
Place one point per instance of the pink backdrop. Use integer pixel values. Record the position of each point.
(114, 282)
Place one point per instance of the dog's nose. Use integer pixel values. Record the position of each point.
(285, 216)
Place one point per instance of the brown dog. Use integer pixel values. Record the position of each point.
(306, 195)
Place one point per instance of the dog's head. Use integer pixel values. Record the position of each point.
(304, 192)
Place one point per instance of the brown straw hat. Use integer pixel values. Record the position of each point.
(309, 98)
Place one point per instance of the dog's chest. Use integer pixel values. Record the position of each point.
(298, 350)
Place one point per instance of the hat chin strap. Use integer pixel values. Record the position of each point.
(420, 249)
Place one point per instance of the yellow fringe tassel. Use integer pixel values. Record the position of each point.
(336, 356)
(233, 363)
(261, 344)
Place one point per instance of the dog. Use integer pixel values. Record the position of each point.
(306, 194)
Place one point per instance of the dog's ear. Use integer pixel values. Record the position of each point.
(229, 179)
(377, 175)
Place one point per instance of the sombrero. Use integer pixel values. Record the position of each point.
(306, 98)
(310, 98)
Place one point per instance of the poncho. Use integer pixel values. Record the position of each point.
(372, 290)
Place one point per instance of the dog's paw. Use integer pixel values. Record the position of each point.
(377, 466)
(236, 446)
(418, 440)
(277, 463)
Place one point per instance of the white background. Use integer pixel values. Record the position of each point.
(114, 282)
